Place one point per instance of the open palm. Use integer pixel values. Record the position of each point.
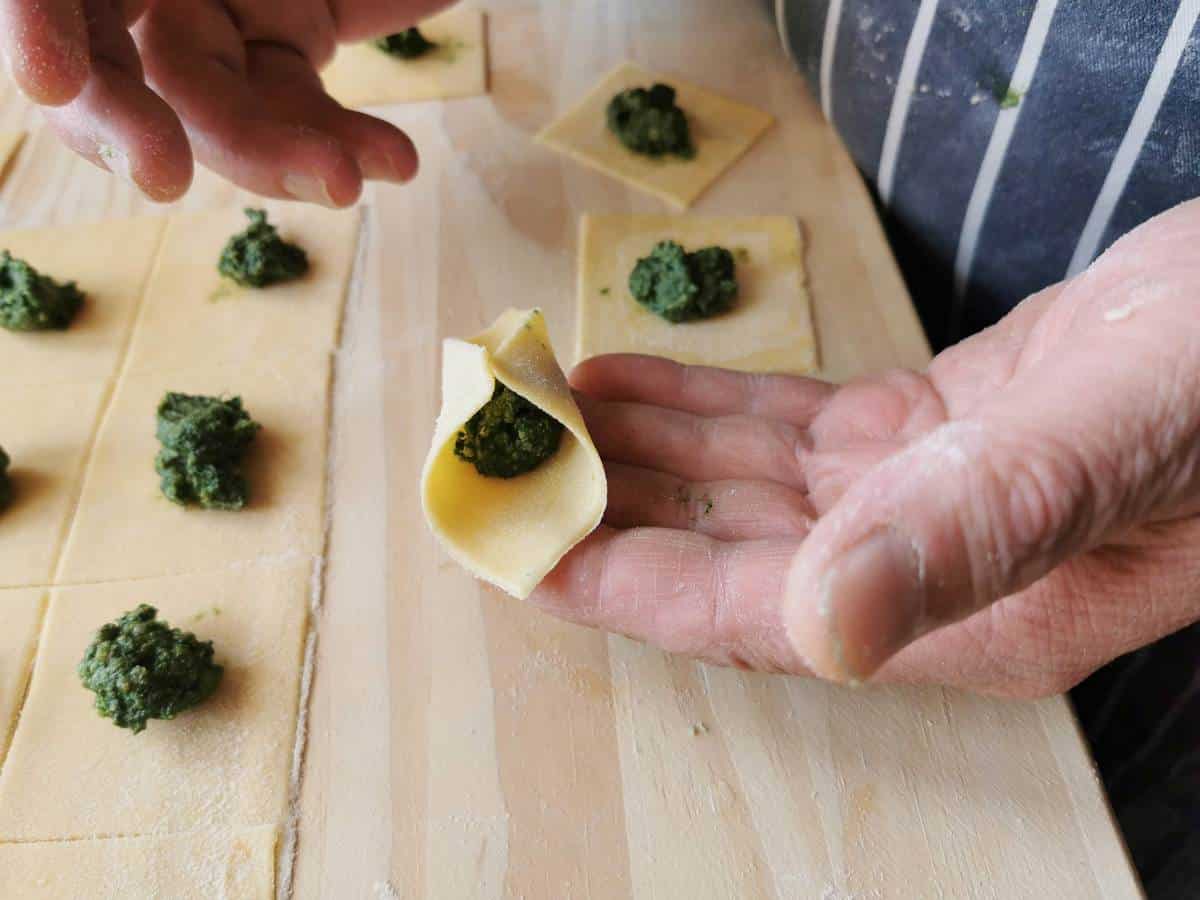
(1009, 520)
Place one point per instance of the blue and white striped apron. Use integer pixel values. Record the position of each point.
(1009, 143)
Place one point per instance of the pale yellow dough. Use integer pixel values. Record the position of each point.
(770, 329)
(722, 130)
(510, 531)
(71, 773)
(110, 262)
(126, 528)
(194, 317)
(20, 619)
(10, 143)
(46, 430)
(216, 864)
(362, 75)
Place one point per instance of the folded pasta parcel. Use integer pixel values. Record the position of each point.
(512, 481)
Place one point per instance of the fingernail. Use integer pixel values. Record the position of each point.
(380, 167)
(308, 188)
(873, 599)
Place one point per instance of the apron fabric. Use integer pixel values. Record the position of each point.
(1009, 144)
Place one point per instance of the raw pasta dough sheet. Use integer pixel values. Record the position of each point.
(72, 774)
(46, 430)
(722, 131)
(769, 329)
(362, 75)
(21, 617)
(230, 864)
(110, 262)
(194, 317)
(126, 528)
(88, 517)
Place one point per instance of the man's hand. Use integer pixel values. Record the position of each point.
(138, 86)
(1008, 521)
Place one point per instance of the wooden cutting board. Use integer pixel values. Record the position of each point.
(461, 744)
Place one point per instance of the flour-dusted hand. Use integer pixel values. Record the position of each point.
(1010, 520)
(140, 86)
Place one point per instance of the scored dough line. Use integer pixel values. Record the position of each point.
(110, 390)
(122, 835)
(27, 666)
(286, 829)
(106, 408)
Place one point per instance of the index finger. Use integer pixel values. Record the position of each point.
(702, 390)
(682, 591)
(46, 44)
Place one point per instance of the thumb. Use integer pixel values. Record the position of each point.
(972, 512)
(1101, 435)
(1096, 431)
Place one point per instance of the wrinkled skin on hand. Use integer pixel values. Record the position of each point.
(1009, 520)
(141, 87)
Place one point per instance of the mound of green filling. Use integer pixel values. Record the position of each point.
(5, 483)
(140, 668)
(203, 442)
(258, 256)
(648, 121)
(31, 301)
(407, 44)
(682, 286)
(508, 437)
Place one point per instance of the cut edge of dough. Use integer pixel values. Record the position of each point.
(24, 667)
(242, 856)
(11, 143)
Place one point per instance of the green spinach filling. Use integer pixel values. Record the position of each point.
(646, 120)
(406, 44)
(203, 442)
(508, 437)
(31, 301)
(258, 256)
(682, 286)
(5, 482)
(140, 668)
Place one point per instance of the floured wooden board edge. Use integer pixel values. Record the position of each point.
(289, 845)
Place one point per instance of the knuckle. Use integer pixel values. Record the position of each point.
(799, 456)
(1028, 500)
(1045, 496)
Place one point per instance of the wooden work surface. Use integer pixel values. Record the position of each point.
(461, 744)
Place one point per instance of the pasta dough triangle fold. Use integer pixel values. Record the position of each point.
(510, 531)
